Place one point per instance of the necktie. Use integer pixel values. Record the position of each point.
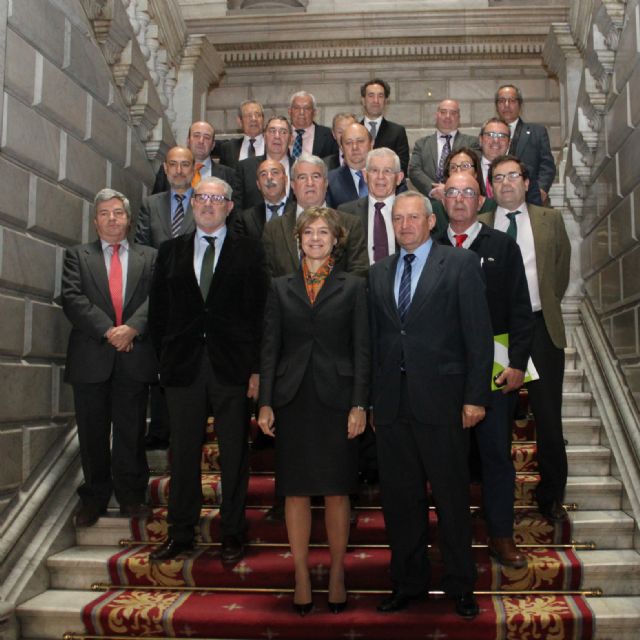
(380, 238)
(373, 127)
(297, 145)
(487, 187)
(513, 227)
(115, 282)
(206, 270)
(362, 185)
(178, 216)
(252, 149)
(404, 294)
(446, 150)
(195, 181)
(460, 238)
(274, 208)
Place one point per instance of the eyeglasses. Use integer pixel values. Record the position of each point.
(463, 166)
(495, 134)
(506, 100)
(512, 176)
(214, 198)
(453, 192)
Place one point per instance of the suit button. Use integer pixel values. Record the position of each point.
(403, 332)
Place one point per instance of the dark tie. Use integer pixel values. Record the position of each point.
(206, 270)
(178, 216)
(373, 127)
(274, 208)
(446, 150)
(362, 185)
(460, 238)
(380, 237)
(297, 145)
(404, 293)
(487, 187)
(512, 230)
(251, 153)
(115, 282)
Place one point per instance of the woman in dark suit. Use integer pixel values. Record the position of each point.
(314, 382)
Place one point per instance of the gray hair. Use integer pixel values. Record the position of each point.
(343, 115)
(244, 103)
(384, 152)
(415, 194)
(311, 159)
(509, 86)
(303, 94)
(228, 191)
(109, 194)
(283, 118)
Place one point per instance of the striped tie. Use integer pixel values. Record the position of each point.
(297, 145)
(404, 294)
(178, 216)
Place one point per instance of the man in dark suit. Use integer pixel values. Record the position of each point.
(546, 251)
(529, 142)
(110, 360)
(340, 122)
(384, 133)
(510, 308)
(432, 361)
(251, 121)
(200, 141)
(426, 168)
(308, 136)
(205, 317)
(277, 134)
(272, 183)
(309, 184)
(348, 182)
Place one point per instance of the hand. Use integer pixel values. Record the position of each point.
(437, 191)
(512, 379)
(356, 422)
(544, 196)
(121, 337)
(266, 421)
(471, 415)
(253, 388)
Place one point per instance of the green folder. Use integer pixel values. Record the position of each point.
(501, 360)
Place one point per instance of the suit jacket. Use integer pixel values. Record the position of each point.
(245, 183)
(86, 302)
(217, 171)
(393, 136)
(341, 187)
(507, 291)
(332, 161)
(553, 257)
(154, 220)
(324, 144)
(424, 159)
(229, 152)
(228, 324)
(331, 336)
(282, 250)
(534, 149)
(445, 341)
(250, 222)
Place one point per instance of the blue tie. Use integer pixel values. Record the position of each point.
(404, 294)
(297, 145)
(362, 185)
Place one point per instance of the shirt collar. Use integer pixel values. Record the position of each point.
(123, 243)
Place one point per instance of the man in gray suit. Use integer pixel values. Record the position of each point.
(426, 167)
(110, 360)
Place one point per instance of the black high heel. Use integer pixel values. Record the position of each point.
(303, 609)
(337, 607)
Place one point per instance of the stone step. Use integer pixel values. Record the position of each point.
(588, 460)
(581, 430)
(607, 529)
(594, 492)
(573, 380)
(55, 612)
(576, 404)
(615, 571)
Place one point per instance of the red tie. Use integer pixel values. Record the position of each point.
(460, 238)
(115, 282)
(488, 188)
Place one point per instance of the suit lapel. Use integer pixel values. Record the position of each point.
(432, 149)
(166, 214)
(332, 285)
(542, 236)
(522, 134)
(431, 273)
(389, 294)
(134, 272)
(287, 227)
(98, 270)
(225, 260)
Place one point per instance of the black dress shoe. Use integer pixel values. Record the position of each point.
(303, 609)
(232, 549)
(169, 550)
(396, 602)
(553, 511)
(88, 515)
(466, 605)
(153, 442)
(137, 510)
(337, 607)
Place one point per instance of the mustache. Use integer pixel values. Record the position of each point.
(270, 183)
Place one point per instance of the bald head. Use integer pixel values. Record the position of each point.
(462, 200)
(179, 167)
(356, 144)
(448, 116)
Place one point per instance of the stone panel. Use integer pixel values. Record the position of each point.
(49, 331)
(547, 112)
(62, 100)
(57, 213)
(19, 77)
(30, 138)
(12, 323)
(473, 89)
(606, 188)
(126, 182)
(592, 287)
(627, 56)
(27, 263)
(40, 440)
(86, 64)
(620, 227)
(139, 162)
(25, 392)
(405, 114)
(610, 289)
(628, 162)
(228, 96)
(11, 467)
(107, 132)
(631, 274)
(624, 333)
(599, 240)
(482, 111)
(617, 119)
(422, 91)
(14, 202)
(81, 168)
(634, 96)
(42, 24)
(64, 400)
